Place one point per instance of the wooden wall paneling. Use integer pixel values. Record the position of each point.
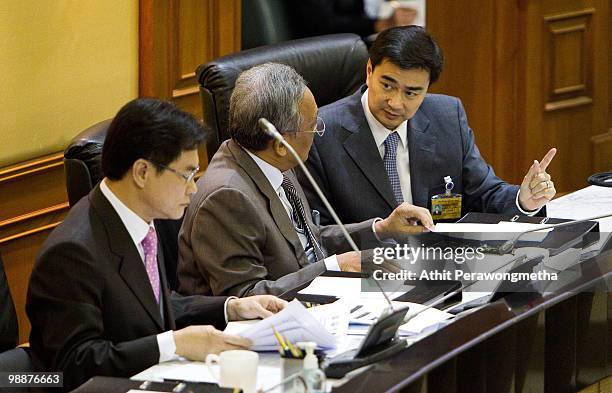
(33, 201)
(175, 38)
(507, 59)
(602, 152)
(532, 74)
(191, 39)
(568, 59)
(564, 94)
(465, 31)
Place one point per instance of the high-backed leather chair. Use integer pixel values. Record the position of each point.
(82, 166)
(11, 358)
(333, 65)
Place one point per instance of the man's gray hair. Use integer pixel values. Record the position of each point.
(269, 90)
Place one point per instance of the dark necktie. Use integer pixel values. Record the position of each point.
(390, 161)
(299, 217)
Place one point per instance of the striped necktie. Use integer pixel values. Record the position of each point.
(299, 216)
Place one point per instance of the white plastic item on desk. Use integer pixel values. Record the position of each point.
(313, 375)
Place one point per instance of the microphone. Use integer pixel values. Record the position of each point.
(271, 130)
(458, 290)
(509, 245)
(505, 248)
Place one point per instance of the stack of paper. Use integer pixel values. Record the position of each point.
(488, 232)
(295, 323)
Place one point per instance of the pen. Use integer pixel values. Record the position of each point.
(296, 352)
(280, 340)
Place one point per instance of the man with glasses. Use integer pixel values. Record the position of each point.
(249, 229)
(98, 298)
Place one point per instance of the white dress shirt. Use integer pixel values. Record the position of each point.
(380, 134)
(275, 177)
(138, 229)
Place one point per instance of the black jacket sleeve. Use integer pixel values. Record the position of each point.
(9, 332)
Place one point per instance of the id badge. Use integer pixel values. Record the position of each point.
(446, 206)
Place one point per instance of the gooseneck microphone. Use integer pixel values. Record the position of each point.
(271, 130)
(503, 249)
(509, 245)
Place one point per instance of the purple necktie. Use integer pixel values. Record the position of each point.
(149, 245)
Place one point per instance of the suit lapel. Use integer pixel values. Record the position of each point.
(422, 149)
(277, 210)
(163, 282)
(130, 265)
(361, 147)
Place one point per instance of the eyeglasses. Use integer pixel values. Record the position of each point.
(187, 176)
(319, 128)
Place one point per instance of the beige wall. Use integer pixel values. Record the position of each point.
(64, 65)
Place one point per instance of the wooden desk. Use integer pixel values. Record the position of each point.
(522, 343)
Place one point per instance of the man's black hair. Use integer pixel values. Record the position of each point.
(408, 47)
(150, 129)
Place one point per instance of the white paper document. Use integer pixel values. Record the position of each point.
(499, 231)
(295, 323)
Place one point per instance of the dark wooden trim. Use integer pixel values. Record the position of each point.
(146, 48)
(31, 167)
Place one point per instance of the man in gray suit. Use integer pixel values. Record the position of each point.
(249, 229)
(391, 142)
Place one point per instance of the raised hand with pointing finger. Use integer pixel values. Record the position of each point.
(537, 187)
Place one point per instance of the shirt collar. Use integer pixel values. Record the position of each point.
(272, 173)
(379, 131)
(136, 226)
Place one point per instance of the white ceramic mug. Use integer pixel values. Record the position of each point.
(237, 369)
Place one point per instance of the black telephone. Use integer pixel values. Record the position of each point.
(379, 343)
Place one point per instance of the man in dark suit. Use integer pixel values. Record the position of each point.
(391, 142)
(9, 332)
(98, 298)
(249, 229)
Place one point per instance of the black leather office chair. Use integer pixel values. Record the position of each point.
(333, 65)
(16, 359)
(82, 165)
(9, 329)
(11, 358)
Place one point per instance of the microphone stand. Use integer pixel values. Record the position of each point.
(271, 130)
(509, 245)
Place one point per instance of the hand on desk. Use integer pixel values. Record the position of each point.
(537, 188)
(196, 342)
(349, 261)
(253, 307)
(405, 219)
